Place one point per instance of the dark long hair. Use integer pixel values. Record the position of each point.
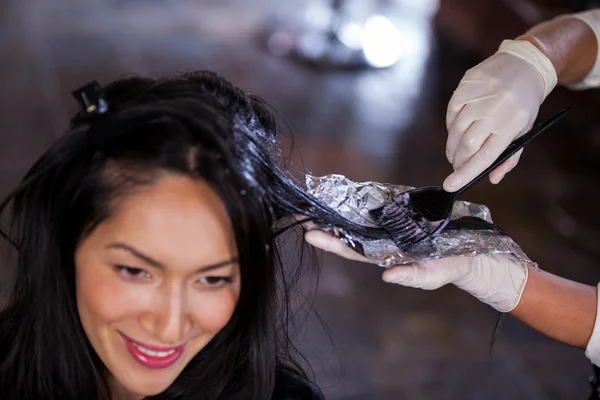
(197, 125)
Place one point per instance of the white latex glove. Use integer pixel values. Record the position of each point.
(495, 280)
(496, 101)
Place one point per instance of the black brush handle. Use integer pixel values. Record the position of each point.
(515, 146)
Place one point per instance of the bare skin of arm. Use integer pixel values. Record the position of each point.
(569, 43)
(557, 307)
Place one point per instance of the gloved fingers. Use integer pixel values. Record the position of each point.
(469, 90)
(307, 223)
(471, 141)
(427, 275)
(482, 116)
(409, 275)
(454, 108)
(491, 149)
(476, 109)
(324, 241)
(498, 174)
(460, 123)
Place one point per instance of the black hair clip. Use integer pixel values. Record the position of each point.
(91, 99)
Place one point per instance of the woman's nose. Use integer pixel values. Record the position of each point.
(168, 319)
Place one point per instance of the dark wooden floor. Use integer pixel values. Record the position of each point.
(381, 341)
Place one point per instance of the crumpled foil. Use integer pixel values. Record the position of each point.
(354, 200)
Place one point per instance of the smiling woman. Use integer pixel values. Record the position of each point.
(147, 303)
(147, 263)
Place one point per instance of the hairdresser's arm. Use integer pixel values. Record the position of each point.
(559, 308)
(498, 100)
(570, 43)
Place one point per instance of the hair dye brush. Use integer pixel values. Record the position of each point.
(422, 213)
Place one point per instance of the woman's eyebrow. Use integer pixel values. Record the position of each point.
(157, 264)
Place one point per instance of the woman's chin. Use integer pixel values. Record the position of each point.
(144, 390)
(143, 386)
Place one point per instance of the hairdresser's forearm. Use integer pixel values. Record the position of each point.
(559, 308)
(569, 43)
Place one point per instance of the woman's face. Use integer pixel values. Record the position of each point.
(157, 281)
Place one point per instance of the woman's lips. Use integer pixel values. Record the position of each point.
(153, 356)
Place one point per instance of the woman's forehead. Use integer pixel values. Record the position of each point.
(176, 219)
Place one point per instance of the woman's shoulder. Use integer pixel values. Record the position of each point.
(290, 385)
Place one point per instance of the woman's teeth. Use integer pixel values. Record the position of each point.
(152, 353)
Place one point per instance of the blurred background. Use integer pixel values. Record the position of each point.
(363, 85)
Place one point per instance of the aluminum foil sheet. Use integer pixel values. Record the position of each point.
(471, 231)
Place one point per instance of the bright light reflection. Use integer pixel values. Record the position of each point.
(351, 35)
(382, 42)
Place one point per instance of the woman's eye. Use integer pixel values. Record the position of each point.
(132, 273)
(216, 281)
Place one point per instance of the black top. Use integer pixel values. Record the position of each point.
(291, 386)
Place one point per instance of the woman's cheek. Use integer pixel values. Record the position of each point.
(214, 310)
(105, 294)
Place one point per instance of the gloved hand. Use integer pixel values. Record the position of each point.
(496, 280)
(495, 102)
